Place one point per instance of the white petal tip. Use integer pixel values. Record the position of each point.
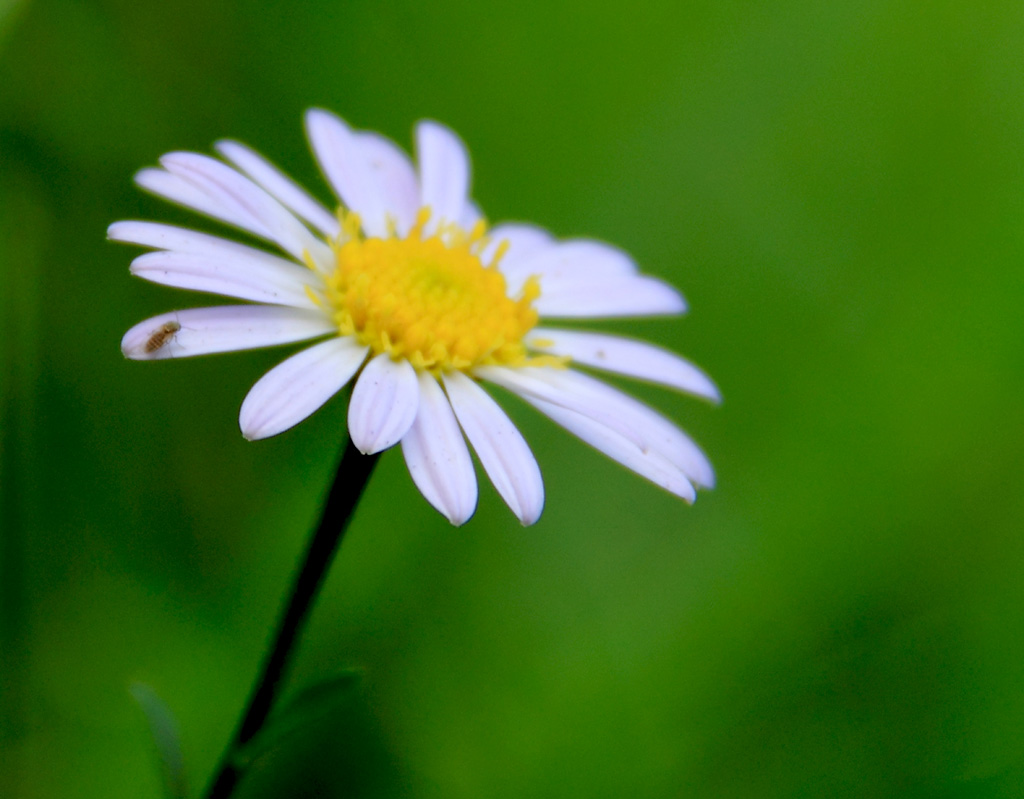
(253, 429)
(682, 488)
(460, 519)
(432, 127)
(674, 306)
(702, 388)
(248, 427)
(133, 353)
(371, 445)
(177, 158)
(703, 477)
(671, 302)
(316, 117)
(459, 508)
(384, 403)
(530, 520)
(531, 515)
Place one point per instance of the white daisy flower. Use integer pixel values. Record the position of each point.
(418, 302)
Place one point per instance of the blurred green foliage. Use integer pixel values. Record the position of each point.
(838, 188)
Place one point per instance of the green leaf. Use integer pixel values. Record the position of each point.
(164, 730)
(305, 708)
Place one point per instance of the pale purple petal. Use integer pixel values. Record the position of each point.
(444, 173)
(630, 418)
(647, 464)
(585, 278)
(168, 237)
(343, 159)
(395, 178)
(230, 275)
(192, 242)
(572, 263)
(576, 259)
(437, 456)
(627, 357)
(233, 190)
(504, 453)
(201, 331)
(635, 295)
(384, 403)
(471, 214)
(524, 242)
(297, 387)
(180, 191)
(281, 187)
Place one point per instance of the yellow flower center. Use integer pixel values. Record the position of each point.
(429, 299)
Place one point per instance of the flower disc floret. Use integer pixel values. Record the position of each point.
(429, 299)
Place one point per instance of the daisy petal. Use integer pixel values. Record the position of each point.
(201, 331)
(437, 456)
(627, 357)
(297, 387)
(233, 275)
(523, 242)
(590, 278)
(182, 240)
(471, 214)
(395, 178)
(384, 403)
(444, 173)
(577, 260)
(343, 160)
(628, 417)
(571, 267)
(168, 237)
(500, 446)
(281, 187)
(647, 464)
(234, 191)
(636, 295)
(180, 191)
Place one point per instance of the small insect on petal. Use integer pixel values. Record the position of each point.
(151, 340)
(161, 336)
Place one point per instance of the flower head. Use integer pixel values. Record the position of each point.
(417, 300)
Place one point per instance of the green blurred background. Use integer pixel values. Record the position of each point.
(838, 189)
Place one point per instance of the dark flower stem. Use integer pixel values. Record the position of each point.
(349, 482)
